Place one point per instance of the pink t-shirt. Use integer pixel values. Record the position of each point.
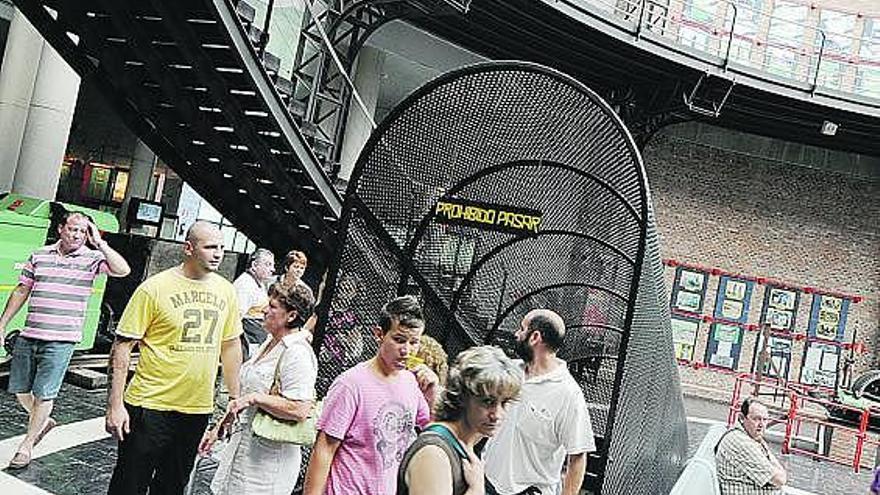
(376, 422)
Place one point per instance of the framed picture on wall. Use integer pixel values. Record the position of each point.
(782, 299)
(684, 336)
(688, 301)
(724, 345)
(689, 290)
(735, 290)
(779, 319)
(828, 316)
(692, 281)
(829, 303)
(780, 308)
(732, 301)
(820, 364)
(826, 331)
(732, 310)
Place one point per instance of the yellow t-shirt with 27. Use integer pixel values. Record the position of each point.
(180, 323)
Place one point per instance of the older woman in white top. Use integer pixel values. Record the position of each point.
(252, 465)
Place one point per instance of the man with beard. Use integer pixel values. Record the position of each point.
(56, 281)
(745, 464)
(548, 425)
(183, 319)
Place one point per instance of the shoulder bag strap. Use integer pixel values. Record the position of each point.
(449, 437)
(275, 389)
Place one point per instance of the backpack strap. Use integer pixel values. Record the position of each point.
(447, 435)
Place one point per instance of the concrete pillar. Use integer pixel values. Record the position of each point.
(17, 77)
(140, 177)
(49, 117)
(358, 128)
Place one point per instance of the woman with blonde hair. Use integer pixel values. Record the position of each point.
(432, 354)
(481, 383)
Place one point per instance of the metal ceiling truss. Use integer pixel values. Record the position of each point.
(322, 95)
(179, 82)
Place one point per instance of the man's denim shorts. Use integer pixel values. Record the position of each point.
(38, 366)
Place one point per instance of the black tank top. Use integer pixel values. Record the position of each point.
(433, 436)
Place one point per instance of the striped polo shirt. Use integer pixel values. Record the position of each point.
(60, 289)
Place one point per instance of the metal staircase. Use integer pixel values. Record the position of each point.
(194, 83)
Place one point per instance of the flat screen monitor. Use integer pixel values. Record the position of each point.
(147, 212)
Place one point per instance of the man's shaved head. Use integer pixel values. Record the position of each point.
(203, 247)
(200, 231)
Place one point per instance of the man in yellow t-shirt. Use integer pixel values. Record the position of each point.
(183, 320)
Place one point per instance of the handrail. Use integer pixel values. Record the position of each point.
(730, 39)
(790, 58)
(819, 62)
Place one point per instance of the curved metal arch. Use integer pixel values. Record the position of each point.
(597, 325)
(456, 296)
(527, 295)
(410, 248)
(639, 201)
(578, 360)
(499, 66)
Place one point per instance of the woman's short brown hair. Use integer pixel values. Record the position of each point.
(294, 297)
(295, 256)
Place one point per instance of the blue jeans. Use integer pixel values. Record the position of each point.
(38, 367)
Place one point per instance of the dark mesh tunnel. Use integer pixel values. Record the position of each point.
(497, 189)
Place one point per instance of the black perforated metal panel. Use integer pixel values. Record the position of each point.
(518, 136)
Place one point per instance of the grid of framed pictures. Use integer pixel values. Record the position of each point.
(780, 307)
(684, 336)
(827, 324)
(820, 364)
(825, 329)
(732, 303)
(689, 289)
(828, 317)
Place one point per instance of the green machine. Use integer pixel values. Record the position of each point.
(24, 227)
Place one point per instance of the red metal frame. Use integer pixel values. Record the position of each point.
(796, 417)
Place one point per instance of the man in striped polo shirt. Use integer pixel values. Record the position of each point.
(56, 282)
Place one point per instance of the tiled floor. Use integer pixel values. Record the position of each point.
(85, 469)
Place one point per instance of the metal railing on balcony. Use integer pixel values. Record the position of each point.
(734, 35)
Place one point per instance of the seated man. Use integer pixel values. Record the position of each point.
(745, 464)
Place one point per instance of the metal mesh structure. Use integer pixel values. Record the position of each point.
(511, 137)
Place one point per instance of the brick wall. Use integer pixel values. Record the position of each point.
(768, 219)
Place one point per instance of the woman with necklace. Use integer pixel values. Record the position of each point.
(441, 461)
(252, 465)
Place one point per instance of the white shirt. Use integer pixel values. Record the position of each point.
(548, 422)
(252, 296)
(250, 465)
